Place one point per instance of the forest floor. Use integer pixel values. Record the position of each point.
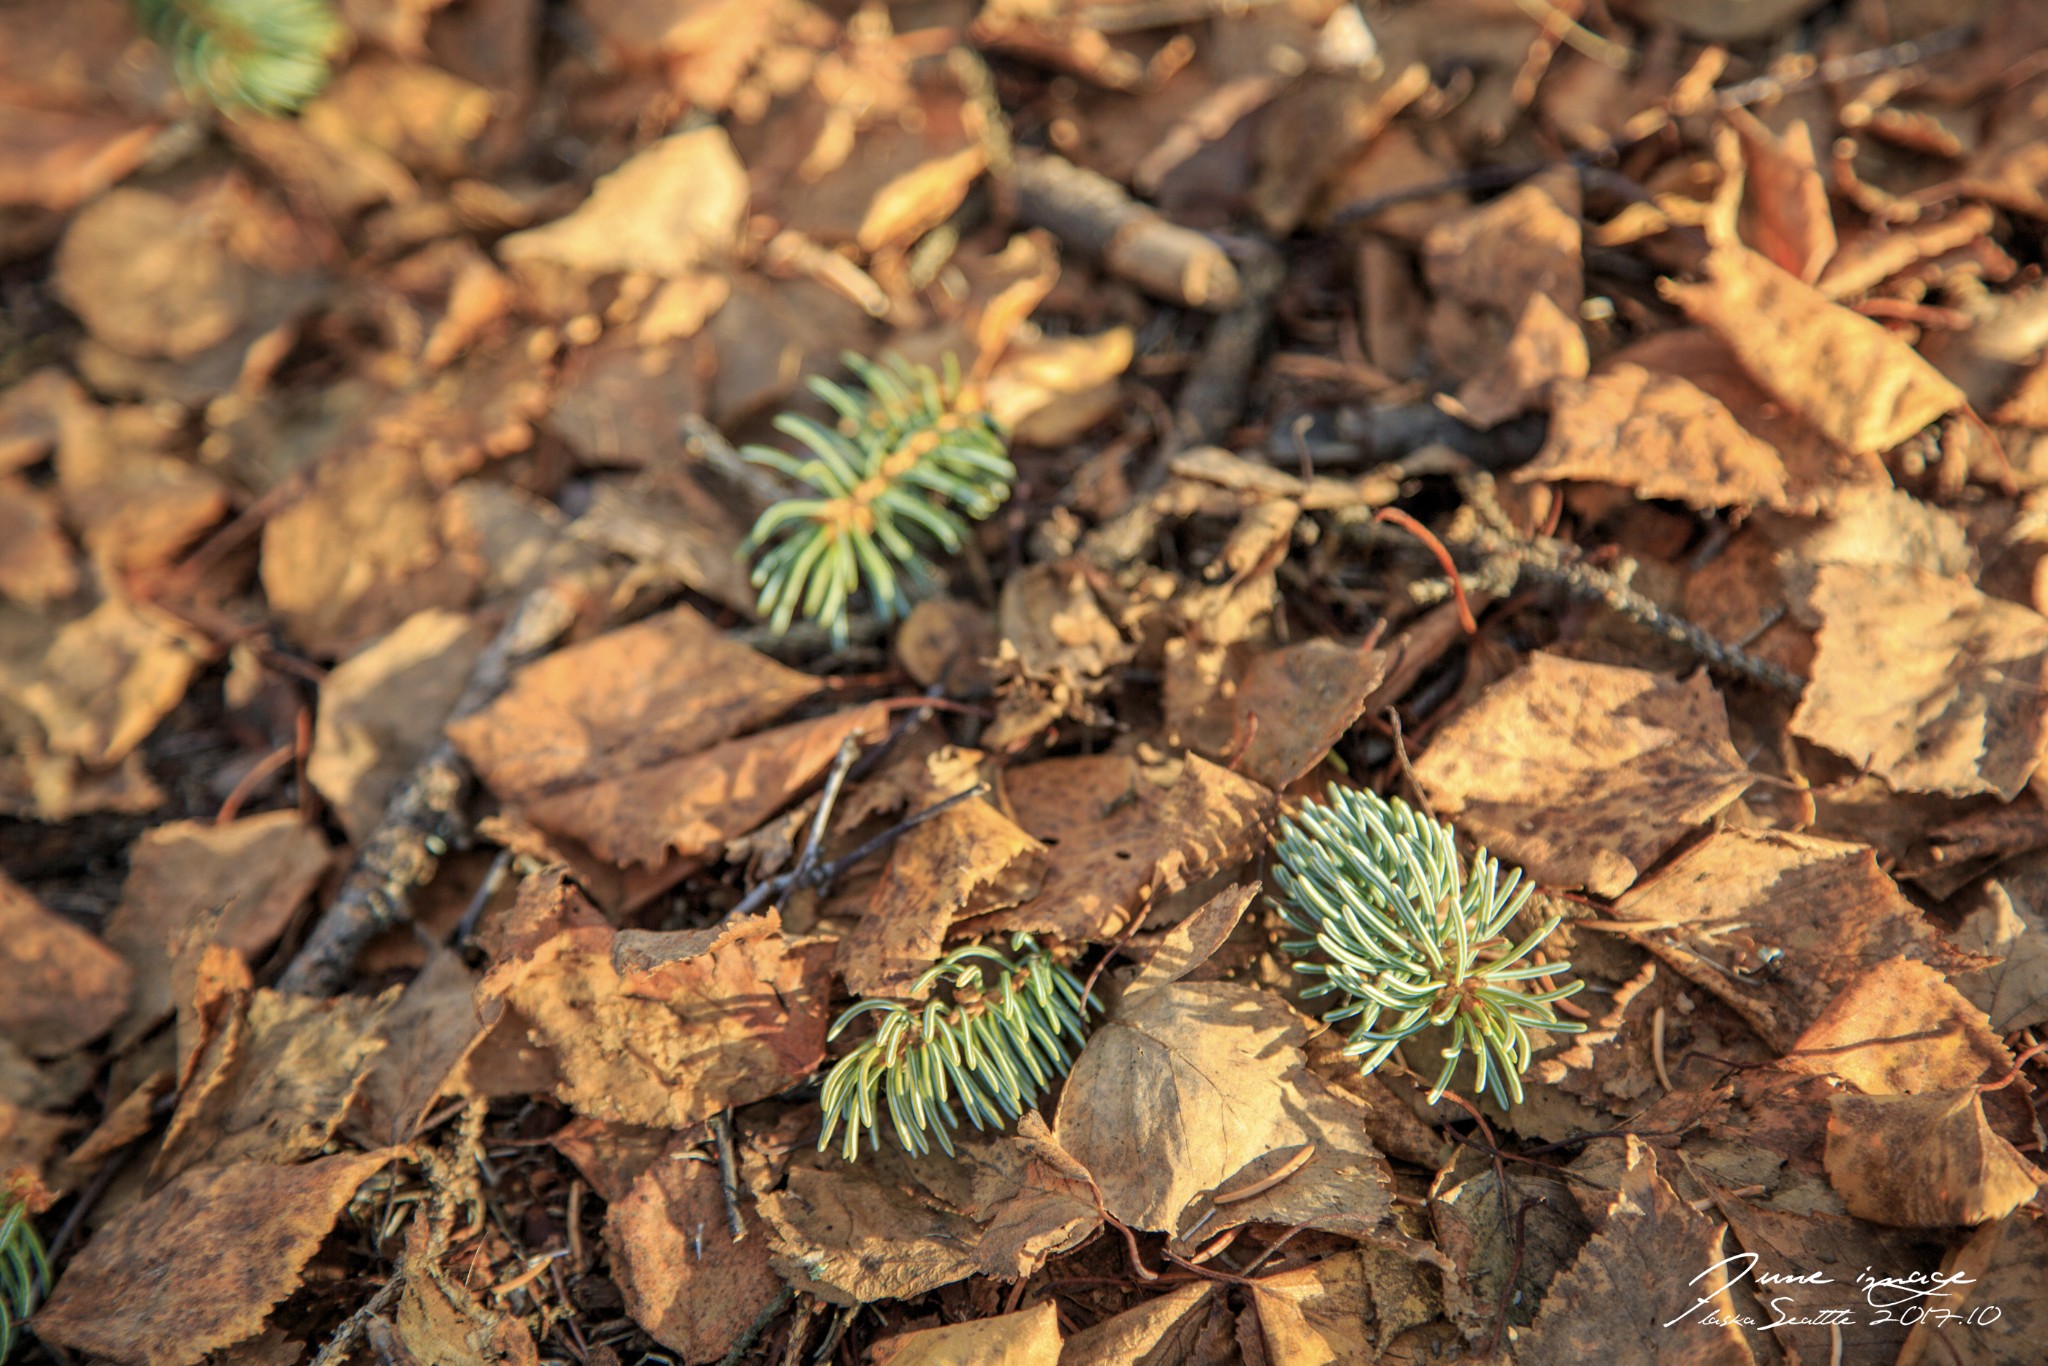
(1618, 429)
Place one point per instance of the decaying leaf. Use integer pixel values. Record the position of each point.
(1927, 681)
(440, 1323)
(669, 208)
(685, 1280)
(1584, 773)
(107, 678)
(670, 1028)
(1155, 1331)
(1901, 1029)
(1296, 702)
(60, 987)
(1865, 389)
(1026, 1338)
(1777, 925)
(1924, 1161)
(254, 873)
(2005, 1262)
(198, 1265)
(2004, 921)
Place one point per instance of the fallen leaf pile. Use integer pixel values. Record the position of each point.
(1620, 430)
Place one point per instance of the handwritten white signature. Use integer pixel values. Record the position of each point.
(1894, 1297)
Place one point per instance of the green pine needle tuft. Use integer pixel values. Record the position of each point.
(913, 459)
(24, 1269)
(991, 1042)
(266, 56)
(1409, 937)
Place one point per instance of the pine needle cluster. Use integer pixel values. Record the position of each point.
(1397, 926)
(993, 1042)
(265, 56)
(24, 1269)
(913, 458)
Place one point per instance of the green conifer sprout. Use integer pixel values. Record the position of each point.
(992, 1042)
(913, 458)
(265, 56)
(1395, 924)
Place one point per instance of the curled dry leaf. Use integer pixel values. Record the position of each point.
(426, 1034)
(667, 209)
(1295, 703)
(1924, 1161)
(1778, 924)
(1926, 681)
(1660, 435)
(60, 987)
(1029, 1337)
(1158, 1330)
(2004, 920)
(685, 1280)
(1638, 1283)
(197, 1266)
(273, 1082)
(696, 804)
(381, 710)
(1862, 387)
(1585, 773)
(1120, 836)
(670, 1028)
(255, 872)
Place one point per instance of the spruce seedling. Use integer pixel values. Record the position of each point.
(1407, 935)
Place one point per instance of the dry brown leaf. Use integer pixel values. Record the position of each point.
(1052, 390)
(198, 1265)
(107, 678)
(440, 1323)
(60, 987)
(695, 804)
(1637, 1292)
(912, 204)
(1901, 1029)
(414, 113)
(1161, 1329)
(1862, 387)
(56, 158)
(1725, 907)
(1192, 1083)
(686, 1282)
(256, 872)
(619, 398)
(361, 551)
(1785, 213)
(37, 561)
(1296, 702)
(1030, 1337)
(32, 416)
(2004, 920)
(275, 1082)
(1317, 1314)
(678, 204)
(644, 694)
(1660, 435)
(150, 277)
(1924, 1161)
(670, 1028)
(2004, 1263)
(1585, 773)
(1926, 681)
(1120, 837)
(613, 1157)
(135, 505)
(946, 639)
(1524, 243)
(426, 1034)
(381, 710)
(1498, 1253)
(969, 860)
(1546, 348)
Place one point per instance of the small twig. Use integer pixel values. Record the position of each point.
(728, 1175)
(822, 875)
(744, 1343)
(486, 889)
(336, 1348)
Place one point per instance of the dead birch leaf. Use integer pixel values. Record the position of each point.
(1317, 1314)
(2004, 920)
(1785, 213)
(1901, 1029)
(1030, 1337)
(60, 987)
(678, 204)
(198, 1265)
(1858, 384)
(256, 872)
(426, 1034)
(133, 503)
(695, 804)
(1778, 924)
(644, 694)
(1660, 435)
(1546, 348)
(274, 1084)
(1924, 1161)
(668, 1029)
(914, 203)
(969, 860)
(1120, 837)
(1052, 390)
(1585, 773)
(1296, 703)
(1159, 1330)
(1926, 681)
(1193, 1082)
(686, 1282)
(107, 679)
(381, 710)
(2005, 1262)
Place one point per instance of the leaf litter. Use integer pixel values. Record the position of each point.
(371, 574)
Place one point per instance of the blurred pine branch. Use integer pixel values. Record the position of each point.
(265, 56)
